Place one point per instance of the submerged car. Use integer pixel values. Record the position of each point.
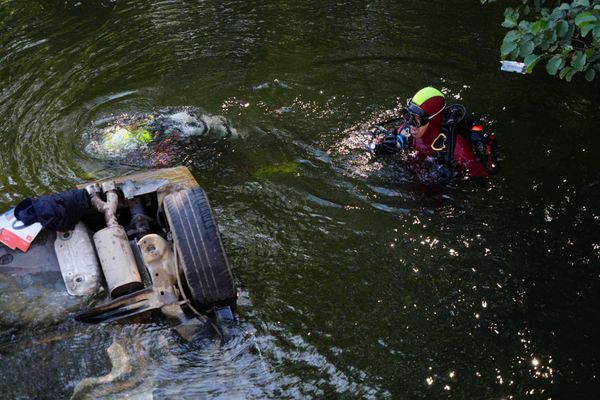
(153, 139)
(149, 241)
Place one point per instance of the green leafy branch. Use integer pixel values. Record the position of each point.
(565, 35)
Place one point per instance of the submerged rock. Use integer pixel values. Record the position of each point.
(121, 367)
(288, 168)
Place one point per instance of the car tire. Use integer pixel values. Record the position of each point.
(202, 262)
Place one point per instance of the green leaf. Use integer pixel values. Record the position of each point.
(543, 11)
(584, 18)
(538, 25)
(569, 76)
(565, 6)
(524, 25)
(557, 14)
(511, 12)
(578, 61)
(562, 27)
(564, 72)
(589, 53)
(513, 54)
(587, 28)
(553, 64)
(596, 33)
(530, 62)
(512, 36)
(545, 43)
(583, 3)
(527, 37)
(509, 22)
(507, 48)
(526, 48)
(590, 74)
(510, 18)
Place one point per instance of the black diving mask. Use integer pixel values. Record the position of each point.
(411, 111)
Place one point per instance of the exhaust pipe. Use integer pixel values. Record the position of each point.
(116, 257)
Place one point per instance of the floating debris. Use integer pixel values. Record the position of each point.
(513, 66)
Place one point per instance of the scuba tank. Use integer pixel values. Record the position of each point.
(458, 122)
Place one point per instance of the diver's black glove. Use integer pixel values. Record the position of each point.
(388, 145)
(391, 144)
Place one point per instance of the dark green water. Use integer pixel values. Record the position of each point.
(355, 282)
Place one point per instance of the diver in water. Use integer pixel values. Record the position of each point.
(431, 130)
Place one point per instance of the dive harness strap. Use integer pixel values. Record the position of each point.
(443, 145)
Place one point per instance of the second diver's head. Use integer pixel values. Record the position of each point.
(424, 112)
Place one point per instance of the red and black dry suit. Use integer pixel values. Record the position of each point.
(435, 143)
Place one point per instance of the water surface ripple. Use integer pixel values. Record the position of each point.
(356, 281)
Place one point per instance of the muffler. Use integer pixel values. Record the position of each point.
(112, 245)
